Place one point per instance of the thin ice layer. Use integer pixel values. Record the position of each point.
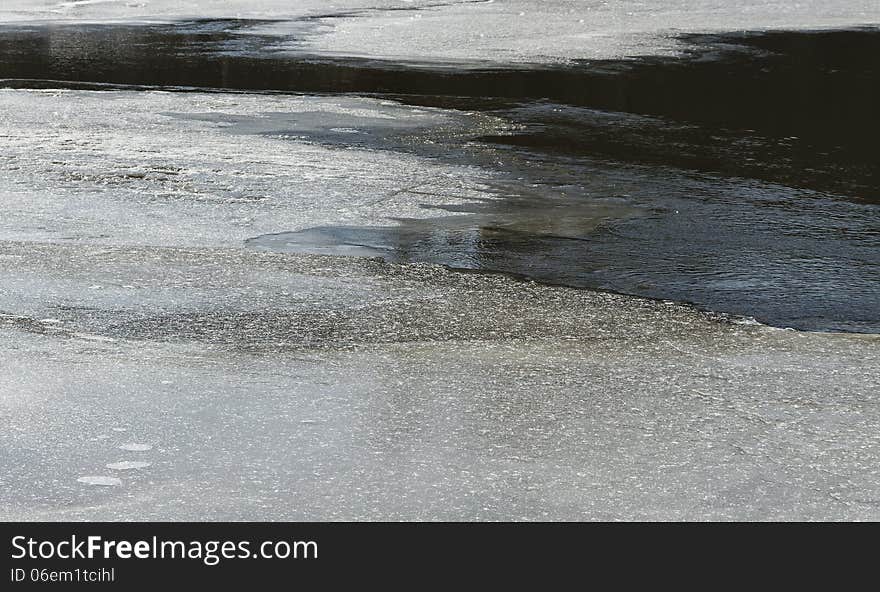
(170, 169)
(502, 31)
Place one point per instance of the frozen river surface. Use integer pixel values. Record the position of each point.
(182, 335)
(469, 31)
(233, 383)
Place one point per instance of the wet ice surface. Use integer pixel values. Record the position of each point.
(743, 180)
(108, 167)
(149, 342)
(261, 385)
(128, 465)
(465, 32)
(100, 480)
(523, 31)
(357, 389)
(753, 249)
(136, 447)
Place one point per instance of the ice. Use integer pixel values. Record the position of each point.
(63, 150)
(475, 31)
(79, 3)
(116, 10)
(100, 480)
(127, 465)
(524, 31)
(88, 337)
(440, 395)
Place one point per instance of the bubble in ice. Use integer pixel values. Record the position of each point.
(100, 480)
(127, 465)
(136, 447)
(118, 429)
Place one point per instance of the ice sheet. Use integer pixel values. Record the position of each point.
(505, 31)
(169, 169)
(266, 386)
(303, 387)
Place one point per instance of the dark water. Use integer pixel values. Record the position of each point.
(742, 176)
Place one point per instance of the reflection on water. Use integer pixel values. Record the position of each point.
(531, 234)
(741, 177)
(815, 273)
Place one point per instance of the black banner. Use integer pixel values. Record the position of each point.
(133, 555)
